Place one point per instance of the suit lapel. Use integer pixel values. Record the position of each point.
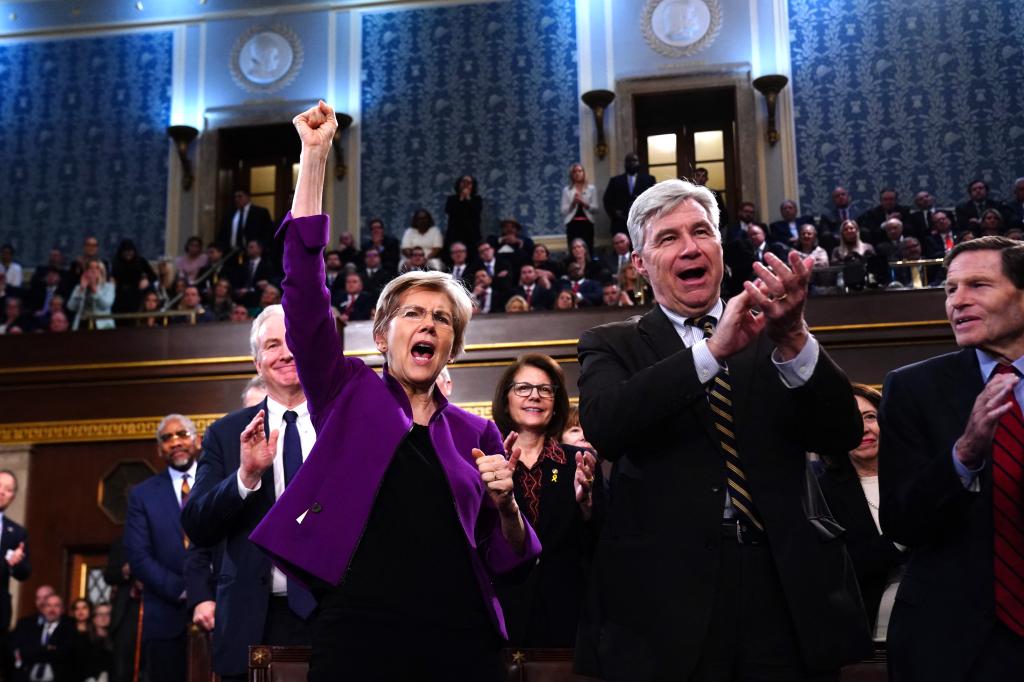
(268, 493)
(965, 383)
(169, 499)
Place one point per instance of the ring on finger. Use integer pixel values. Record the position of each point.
(781, 298)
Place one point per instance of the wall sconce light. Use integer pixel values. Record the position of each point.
(598, 101)
(183, 136)
(340, 169)
(770, 87)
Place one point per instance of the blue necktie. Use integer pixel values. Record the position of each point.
(300, 601)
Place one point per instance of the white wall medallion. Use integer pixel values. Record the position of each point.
(265, 59)
(679, 28)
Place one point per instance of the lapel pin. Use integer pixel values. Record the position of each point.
(554, 475)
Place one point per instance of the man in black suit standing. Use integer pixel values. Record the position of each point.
(255, 602)
(623, 189)
(951, 480)
(14, 549)
(248, 221)
(707, 567)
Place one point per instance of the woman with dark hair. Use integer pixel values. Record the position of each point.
(424, 234)
(193, 260)
(546, 268)
(579, 207)
(464, 209)
(850, 486)
(554, 487)
(132, 275)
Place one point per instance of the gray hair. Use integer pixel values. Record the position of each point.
(257, 327)
(257, 383)
(892, 221)
(175, 417)
(462, 304)
(662, 198)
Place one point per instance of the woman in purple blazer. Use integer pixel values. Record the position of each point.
(398, 520)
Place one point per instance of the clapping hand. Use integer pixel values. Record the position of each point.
(257, 451)
(781, 294)
(16, 555)
(584, 482)
(496, 473)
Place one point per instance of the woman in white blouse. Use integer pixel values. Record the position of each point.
(579, 207)
(423, 233)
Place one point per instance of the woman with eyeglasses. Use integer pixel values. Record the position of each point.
(555, 489)
(403, 514)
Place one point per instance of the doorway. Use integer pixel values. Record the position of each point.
(262, 159)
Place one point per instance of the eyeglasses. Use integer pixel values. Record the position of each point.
(524, 390)
(417, 313)
(183, 434)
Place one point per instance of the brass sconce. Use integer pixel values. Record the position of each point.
(770, 87)
(598, 101)
(340, 169)
(182, 137)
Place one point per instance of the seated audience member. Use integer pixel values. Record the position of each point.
(580, 255)
(745, 218)
(612, 296)
(334, 274)
(221, 302)
(634, 286)
(54, 260)
(417, 261)
(991, 223)
(90, 251)
(93, 296)
(463, 209)
(586, 291)
(374, 274)
(920, 219)
(547, 269)
(537, 293)
(891, 248)
(45, 646)
(424, 234)
(619, 255)
(498, 267)
(517, 304)
(94, 649)
(192, 302)
(850, 248)
(1015, 210)
(150, 304)
(565, 300)
(80, 612)
(741, 254)
(578, 206)
(216, 268)
(488, 297)
(166, 279)
(16, 320)
(269, 295)
(807, 246)
(554, 484)
(1015, 233)
(970, 212)
(460, 268)
(850, 486)
(386, 246)
(43, 317)
(941, 240)
(834, 216)
(347, 250)
(12, 270)
(888, 207)
(44, 289)
(787, 230)
(355, 304)
(511, 243)
(255, 273)
(58, 322)
(915, 276)
(255, 391)
(132, 275)
(193, 260)
(240, 314)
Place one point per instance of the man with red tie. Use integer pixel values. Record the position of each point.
(952, 480)
(355, 304)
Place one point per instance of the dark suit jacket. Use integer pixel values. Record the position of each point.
(155, 547)
(618, 199)
(779, 230)
(735, 231)
(361, 308)
(543, 610)
(265, 270)
(542, 299)
(217, 516)
(945, 602)
(11, 535)
(872, 219)
(874, 555)
(258, 225)
(652, 594)
(391, 251)
(590, 291)
(58, 652)
(375, 283)
(968, 211)
(467, 273)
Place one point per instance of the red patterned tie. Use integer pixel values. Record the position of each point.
(1008, 514)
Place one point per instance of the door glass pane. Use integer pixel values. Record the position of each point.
(261, 179)
(708, 145)
(267, 202)
(661, 149)
(716, 174)
(663, 172)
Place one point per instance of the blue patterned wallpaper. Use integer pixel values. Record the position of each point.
(83, 147)
(916, 94)
(485, 89)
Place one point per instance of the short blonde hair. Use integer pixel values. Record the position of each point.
(441, 282)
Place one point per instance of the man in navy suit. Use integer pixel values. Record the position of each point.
(623, 189)
(786, 231)
(14, 549)
(155, 545)
(255, 603)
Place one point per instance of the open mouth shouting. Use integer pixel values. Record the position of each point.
(692, 275)
(423, 352)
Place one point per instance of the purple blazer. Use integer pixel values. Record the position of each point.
(360, 419)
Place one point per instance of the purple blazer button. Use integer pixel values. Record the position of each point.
(316, 508)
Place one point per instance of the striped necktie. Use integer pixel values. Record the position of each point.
(185, 490)
(719, 394)
(1008, 516)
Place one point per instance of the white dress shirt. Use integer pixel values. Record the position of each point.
(176, 477)
(275, 421)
